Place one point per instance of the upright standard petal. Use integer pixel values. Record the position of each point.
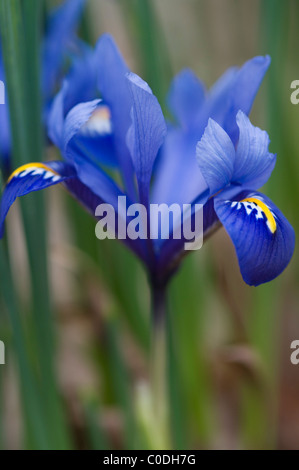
(82, 79)
(254, 163)
(61, 32)
(263, 238)
(56, 118)
(146, 133)
(243, 91)
(185, 97)
(218, 100)
(113, 86)
(97, 134)
(215, 155)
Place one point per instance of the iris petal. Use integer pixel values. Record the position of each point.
(235, 90)
(218, 99)
(254, 163)
(113, 85)
(56, 118)
(75, 120)
(263, 238)
(94, 131)
(185, 98)
(60, 35)
(146, 133)
(243, 91)
(96, 179)
(215, 155)
(87, 167)
(82, 79)
(177, 177)
(28, 178)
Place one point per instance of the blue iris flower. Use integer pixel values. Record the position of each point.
(263, 238)
(232, 162)
(58, 43)
(106, 120)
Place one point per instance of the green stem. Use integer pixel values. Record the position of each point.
(159, 368)
(152, 409)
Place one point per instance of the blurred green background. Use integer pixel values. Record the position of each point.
(76, 376)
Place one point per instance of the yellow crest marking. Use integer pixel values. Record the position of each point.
(270, 218)
(28, 166)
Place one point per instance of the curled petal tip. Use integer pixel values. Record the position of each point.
(138, 81)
